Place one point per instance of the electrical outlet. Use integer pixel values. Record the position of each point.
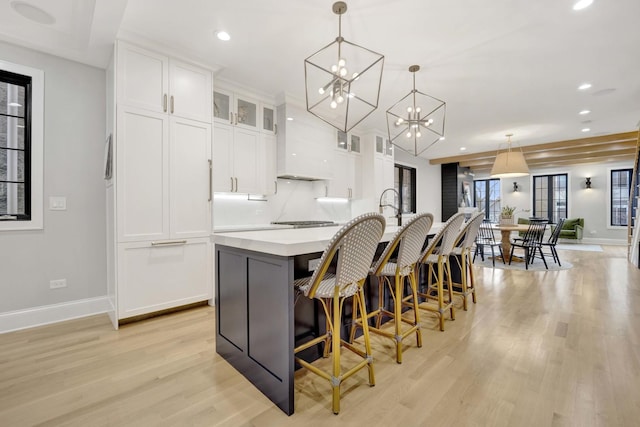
(57, 284)
(313, 264)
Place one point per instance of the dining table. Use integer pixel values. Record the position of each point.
(505, 231)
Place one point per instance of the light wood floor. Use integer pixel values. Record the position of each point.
(539, 349)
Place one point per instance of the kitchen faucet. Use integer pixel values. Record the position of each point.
(397, 208)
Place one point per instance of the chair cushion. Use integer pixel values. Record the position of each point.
(326, 287)
(570, 223)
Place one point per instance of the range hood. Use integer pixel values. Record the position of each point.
(304, 145)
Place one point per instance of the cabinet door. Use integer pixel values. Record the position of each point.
(190, 190)
(246, 161)
(339, 185)
(356, 176)
(142, 78)
(246, 113)
(190, 91)
(268, 164)
(223, 107)
(152, 278)
(268, 119)
(142, 175)
(223, 158)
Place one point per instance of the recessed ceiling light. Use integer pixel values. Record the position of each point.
(582, 4)
(584, 86)
(223, 35)
(442, 138)
(33, 13)
(586, 130)
(290, 118)
(584, 112)
(463, 148)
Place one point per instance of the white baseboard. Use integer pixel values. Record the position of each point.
(44, 315)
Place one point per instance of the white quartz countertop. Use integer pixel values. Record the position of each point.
(291, 242)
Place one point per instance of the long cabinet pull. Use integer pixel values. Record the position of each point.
(235, 122)
(231, 178)
(169, 243)
(236, 180)
(164, 104)
(230, 118)
(210, 179)
(275, 129)
(172, 104)
(276, 186)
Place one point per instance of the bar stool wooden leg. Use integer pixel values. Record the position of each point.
(367, 340)
(335, 348)
(416, 312)
(450, 286)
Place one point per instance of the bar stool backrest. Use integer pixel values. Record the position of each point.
(355, 245)
(409, 240)
(445, 239)
(469, 231)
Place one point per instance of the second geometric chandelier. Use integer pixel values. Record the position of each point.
(416, 122)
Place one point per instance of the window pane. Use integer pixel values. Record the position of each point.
(11, 165)
(11, 132)
(620, 190)
(12, 199)
(12, 99)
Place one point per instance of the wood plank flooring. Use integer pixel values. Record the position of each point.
(539, 349)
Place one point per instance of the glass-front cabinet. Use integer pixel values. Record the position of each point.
(268, 119)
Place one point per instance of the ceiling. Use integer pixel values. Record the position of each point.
(511, 67)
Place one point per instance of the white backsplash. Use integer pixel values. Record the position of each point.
(295, 201)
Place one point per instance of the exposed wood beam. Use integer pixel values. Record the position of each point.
(585, 150)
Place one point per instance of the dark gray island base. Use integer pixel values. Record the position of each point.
(254, 301)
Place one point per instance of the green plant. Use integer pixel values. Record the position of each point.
(508, 210)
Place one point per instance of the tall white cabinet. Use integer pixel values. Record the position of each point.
(163, 177)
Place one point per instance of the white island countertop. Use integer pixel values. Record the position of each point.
(292, 242)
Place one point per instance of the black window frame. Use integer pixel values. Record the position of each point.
(27, 83)
(629, 173)
(399, 172)
(552, 213)
(487, 208)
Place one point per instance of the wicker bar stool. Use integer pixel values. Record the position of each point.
(436, 258)
(408, 243)
(462, 254)
(354, 245)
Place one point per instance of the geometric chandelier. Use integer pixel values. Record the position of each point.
(416, 122)
(342, 80)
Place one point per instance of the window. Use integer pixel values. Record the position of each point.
(21, 120)
(620, 191)
(486, 197)
(550, 196)
(405, 184)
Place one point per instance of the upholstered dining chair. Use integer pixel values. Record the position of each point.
(486, 238)
(553, 241)
(461, 253)
(352, 249)
(531, 242)
(436, 258)
(392, 275)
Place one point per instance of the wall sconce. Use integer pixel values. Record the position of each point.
(515, 187)
(587, 183)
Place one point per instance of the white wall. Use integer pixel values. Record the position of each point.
(72, 244)
(428, 183)
(592, 204)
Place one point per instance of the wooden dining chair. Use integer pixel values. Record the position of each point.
(487, 238)
(531, 242)
(553, 241)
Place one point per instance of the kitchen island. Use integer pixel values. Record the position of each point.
(255, 327)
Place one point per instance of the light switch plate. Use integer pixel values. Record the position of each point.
(57, 203)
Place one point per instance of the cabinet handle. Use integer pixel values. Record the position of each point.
(169, 243)
(210, 179)
(164, 105)
(276, 186)
(231, 178)
(236, 120)
(230, 117)
(275, 128)
(326, 191)
(171, 104)
(236, 179)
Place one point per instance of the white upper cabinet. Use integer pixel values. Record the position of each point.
(154, 82)
(236, 159)
(190, 91)
(239, 110)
